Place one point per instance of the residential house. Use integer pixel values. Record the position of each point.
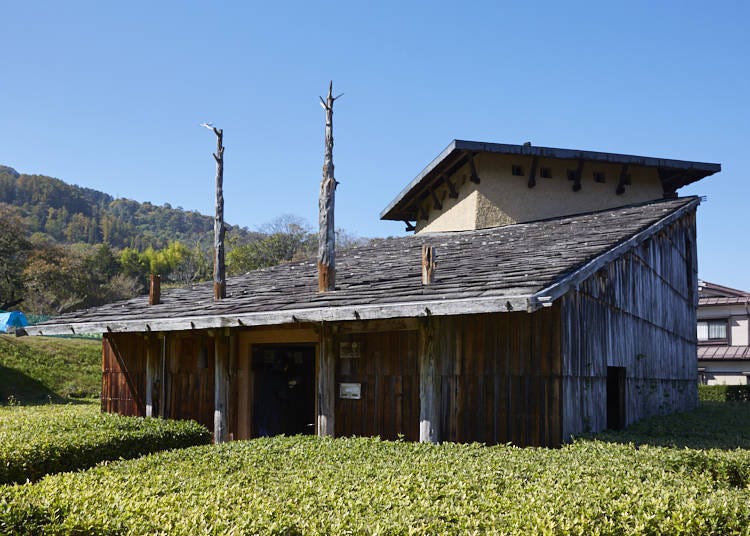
(723, 335)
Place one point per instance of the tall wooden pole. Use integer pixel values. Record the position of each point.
(327, 231)
(220, 281)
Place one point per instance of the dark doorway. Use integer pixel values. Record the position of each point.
(284, 400)
(616, 398)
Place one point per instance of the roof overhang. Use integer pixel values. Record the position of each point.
(674, 174)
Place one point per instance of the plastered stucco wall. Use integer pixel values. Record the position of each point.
(725, 372)
(502, 198)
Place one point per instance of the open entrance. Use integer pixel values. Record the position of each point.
(616, 398)
(284, 400)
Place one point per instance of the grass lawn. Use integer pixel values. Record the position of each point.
(43, 369)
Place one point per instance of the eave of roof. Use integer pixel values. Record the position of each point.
(724, 353)
(674, 173)
(521, 267)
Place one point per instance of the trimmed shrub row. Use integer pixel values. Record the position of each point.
(307, 485)
(39, 440)
(724, 393)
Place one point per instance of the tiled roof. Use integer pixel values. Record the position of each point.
(724, 352)
(498, 269)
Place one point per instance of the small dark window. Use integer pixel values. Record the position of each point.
(598, 176)
(571, 174)
(517, 171)
(545, 173)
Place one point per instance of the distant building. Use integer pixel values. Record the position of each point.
(723, 335)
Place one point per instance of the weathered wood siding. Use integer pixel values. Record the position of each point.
(499, 377)
(124, 374)
(387, 371)
(190, 378)
(639, 312)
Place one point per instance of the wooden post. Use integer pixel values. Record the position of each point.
(152, 373)
(429, 403)
(326, 230)
(428, 264)
(221, 364)
(220, 282)
(326, 383)
(163, 376)
(154, 290)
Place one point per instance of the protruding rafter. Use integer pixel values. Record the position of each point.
(577, 178)
(623, 180)
(532, 172)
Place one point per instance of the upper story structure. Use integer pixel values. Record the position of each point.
(475, 185)
(723, 335)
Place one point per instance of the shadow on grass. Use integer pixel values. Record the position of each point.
(713, 425)
(17, 387)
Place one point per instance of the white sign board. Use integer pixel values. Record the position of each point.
(351, 391)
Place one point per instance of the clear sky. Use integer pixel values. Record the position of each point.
(109, 95)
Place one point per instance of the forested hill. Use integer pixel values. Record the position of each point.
(72, 214)
(65, 247)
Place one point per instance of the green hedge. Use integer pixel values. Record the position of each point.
(307, 485)
(39, 440)
(724, 393)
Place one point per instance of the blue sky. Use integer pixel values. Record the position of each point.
(109, 95)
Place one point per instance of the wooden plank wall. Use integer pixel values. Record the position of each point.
(190, 377)
(639, 313)
(499, 377)
(124, 374)
(387, 371)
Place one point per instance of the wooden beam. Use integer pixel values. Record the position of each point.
(532, 172)
(409, 226)
(577, 178)
(152, 375)
(452, 192)
(221, 387)
(490, 304)
(429, 390)
(623, 180)
(473, 177)
(422, 213)
(326, 394)
(428, 264)
(435, 201)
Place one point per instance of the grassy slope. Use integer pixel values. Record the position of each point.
(37, 369)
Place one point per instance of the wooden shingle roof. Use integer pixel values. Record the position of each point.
(516, 267)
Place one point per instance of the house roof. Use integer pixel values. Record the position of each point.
(713, 294)
(511, 268)
(673, 173)
(723, 353)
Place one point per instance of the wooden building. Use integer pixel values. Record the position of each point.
(546, 293)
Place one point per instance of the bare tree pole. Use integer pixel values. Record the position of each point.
(327, 231)
(220, 278)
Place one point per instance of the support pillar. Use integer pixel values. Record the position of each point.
(429, 391)
(326, 383)
(221, 387)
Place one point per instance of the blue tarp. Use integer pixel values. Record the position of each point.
(12, 320)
